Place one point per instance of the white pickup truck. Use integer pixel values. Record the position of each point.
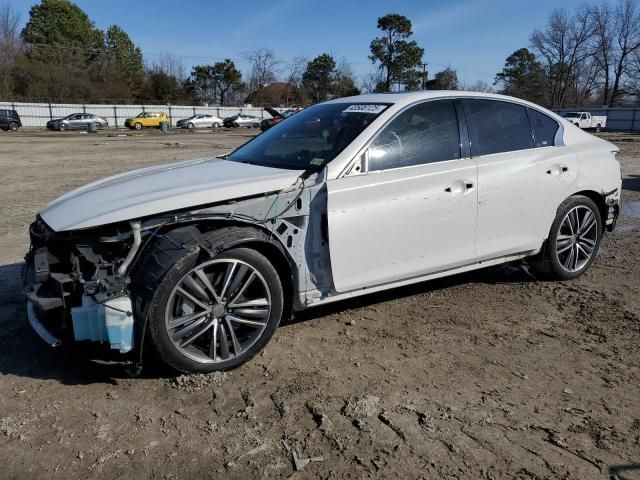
(585, 120)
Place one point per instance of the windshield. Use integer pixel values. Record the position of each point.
(312, 137)
(140, 115)
(571, 115)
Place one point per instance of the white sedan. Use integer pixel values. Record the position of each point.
(345, 198)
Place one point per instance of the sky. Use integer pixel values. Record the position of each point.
(472, 36)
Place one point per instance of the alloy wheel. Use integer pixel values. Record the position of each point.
(218, 310)
(577, 238)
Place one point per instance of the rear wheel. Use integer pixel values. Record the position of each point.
(215, 125)
(215, 314)
(13, 126)
(573, 241)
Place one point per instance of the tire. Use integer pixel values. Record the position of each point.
(215, 125)
(190, 126)
(598, 128)
(13, 126)
(170, 267)
(62, 127)
(565, 255)
(138, 126)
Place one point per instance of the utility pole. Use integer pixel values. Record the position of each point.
(424, 76)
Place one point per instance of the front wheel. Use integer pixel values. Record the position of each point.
(215, 125)
(62, 127)
(215, 314)
(190, 126)
(13, 126)
(138, 126)
(573, 241)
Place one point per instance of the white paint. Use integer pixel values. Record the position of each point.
(399, 223)
(164, 188)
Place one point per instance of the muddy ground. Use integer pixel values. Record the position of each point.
(490, 375)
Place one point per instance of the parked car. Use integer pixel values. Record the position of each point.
(351, 196)
(10, 120)
(200, 121)
(586, 121)
(77, 121)
(276, 117)
(146, 119)
(242, 120)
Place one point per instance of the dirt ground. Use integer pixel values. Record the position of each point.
(489, 375)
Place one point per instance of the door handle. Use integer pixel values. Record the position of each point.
(557, 170)
(459, 187)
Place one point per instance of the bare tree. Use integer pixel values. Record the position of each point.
(10, 45)
(295, 71)
(170, 65)
(603, 25)
(562, 45)
(627, 40)
(374, 82)
(479, 86)
(264, 68)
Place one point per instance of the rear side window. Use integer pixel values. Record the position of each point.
(425, 133)
(496, 127)
(544, 128)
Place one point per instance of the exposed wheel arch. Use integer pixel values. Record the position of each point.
(212, 238)
(598, 198)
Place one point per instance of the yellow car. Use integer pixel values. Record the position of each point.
(146, 119)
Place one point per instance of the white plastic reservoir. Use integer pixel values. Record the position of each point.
(110, 321)
(119, 323)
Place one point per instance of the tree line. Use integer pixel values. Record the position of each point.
(587, 56)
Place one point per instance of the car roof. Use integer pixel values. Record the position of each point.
(405, 98)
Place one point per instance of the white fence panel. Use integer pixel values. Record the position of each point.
(38, 114)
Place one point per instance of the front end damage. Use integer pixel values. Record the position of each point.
(75, 285)
(80, 285)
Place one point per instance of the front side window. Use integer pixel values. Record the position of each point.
(425, 133)
(496, 126)
(544, 128)
(311, 138)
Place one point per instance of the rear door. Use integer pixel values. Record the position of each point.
(411, 209)
(524, 172)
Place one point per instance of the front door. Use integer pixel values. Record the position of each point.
(411, 210)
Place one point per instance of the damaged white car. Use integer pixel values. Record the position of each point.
(205, 258)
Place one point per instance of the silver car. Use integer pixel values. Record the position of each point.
(200, 121)
(77, 121)
(242, 120)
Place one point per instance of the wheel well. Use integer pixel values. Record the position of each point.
(283, 268)
(599, 201)
(273, 253)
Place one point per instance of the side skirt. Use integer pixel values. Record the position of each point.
(315, 301)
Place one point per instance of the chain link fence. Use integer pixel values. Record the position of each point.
(38, 114)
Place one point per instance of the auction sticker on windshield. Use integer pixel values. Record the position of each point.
(374, 109)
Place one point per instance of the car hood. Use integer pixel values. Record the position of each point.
(273, 112)
(155, 190)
